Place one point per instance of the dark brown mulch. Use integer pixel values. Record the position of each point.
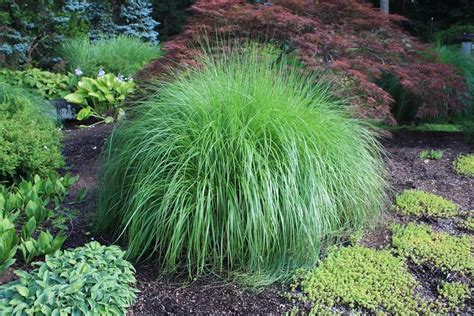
(210, 295)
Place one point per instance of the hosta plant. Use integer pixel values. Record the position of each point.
(101, 98)
(244, 167)
(48, 84)
(89, 280)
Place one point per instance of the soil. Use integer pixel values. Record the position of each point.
(159, 295)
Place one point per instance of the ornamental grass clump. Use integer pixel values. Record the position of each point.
(243, 166)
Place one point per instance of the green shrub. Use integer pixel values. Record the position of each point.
(89, 280)
(122, 54)
(455, 293)
(464, 164)
(102, 97)
(49, 85)
(359, 277)
(30, 141)
(242, 166)
(431, 154)
(420, 203)
(421, 244)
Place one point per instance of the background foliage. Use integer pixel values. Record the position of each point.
(331, 35)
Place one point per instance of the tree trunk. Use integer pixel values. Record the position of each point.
(385, 6)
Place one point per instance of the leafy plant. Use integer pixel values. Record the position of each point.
(431, 154)
(421, 244)
(464, 164)
(49, 85)
(467, 223)
(8, 240)
(331, 35)
(121, 54)
(27, 208)
(102, 97)
(359, 277)
(31, 143)
(420, 203)
(89, 280)
(455, 293)
(244, 166)
(45, 244)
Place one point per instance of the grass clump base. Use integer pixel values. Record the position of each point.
(464, 164)
(243, 166)
(363, 279)
(420, 203)
(421, 244)
(431, 154)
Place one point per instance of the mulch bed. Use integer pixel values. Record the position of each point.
(212, 295)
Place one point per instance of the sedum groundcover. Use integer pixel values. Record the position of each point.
(244, 166)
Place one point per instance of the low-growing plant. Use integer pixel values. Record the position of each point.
(422, 245)
(244, 167)
(29, 209)
(362, 278)
(464, 164)
(89, 280)
(455, 294)
(431, 154)
(44, 244)
(467, 223)
(48, 84)
(30, 141)
(101, 98)
(8, 241)
(420, 203)
(122, 54)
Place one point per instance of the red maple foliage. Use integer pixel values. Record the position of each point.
(349, 37)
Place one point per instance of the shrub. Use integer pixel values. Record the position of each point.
(421, 244)
(359, 277)
(30, 140)
(243, 166)
(119, 55)
(330, 34)
(431, 154)
(139, 23)
(89, 280)
(49, 85)
(464, 164)
(102, 97)
(420, 203)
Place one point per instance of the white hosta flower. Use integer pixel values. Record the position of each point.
(120, 78)
(101, 73)
(78, 72)
(130, 79)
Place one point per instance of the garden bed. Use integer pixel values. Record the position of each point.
(213, 295)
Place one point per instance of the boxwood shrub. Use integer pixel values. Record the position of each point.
(30, 140)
